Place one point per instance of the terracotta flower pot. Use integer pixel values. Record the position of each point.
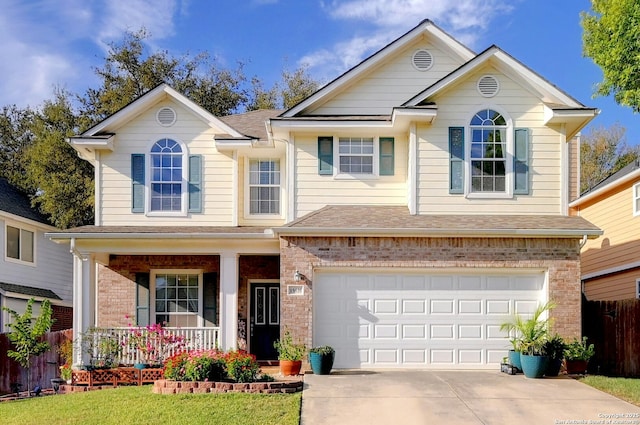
(290, 367)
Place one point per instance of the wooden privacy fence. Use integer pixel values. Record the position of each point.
(614, 328)
(43, 368)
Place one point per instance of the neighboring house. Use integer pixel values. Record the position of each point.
(610, 265)
(32, 266)
(400, 214)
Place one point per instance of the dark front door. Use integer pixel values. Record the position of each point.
(264, 320)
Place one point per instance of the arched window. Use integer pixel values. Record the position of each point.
(488, 152)
(166, 176)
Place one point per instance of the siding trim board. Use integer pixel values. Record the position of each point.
(612, 270)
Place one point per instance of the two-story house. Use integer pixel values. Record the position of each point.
(31, 265)
(610, 266)
(400, 214)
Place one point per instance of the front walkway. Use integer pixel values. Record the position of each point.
(455, 397)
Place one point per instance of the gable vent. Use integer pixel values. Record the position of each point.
(488, 86)
(166, 116)
(422, 60)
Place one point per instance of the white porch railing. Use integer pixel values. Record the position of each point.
(193, 339)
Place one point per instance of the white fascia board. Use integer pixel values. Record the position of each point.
(63, 237)
(598, 192)
(20, 219)
(617, 269)
(497, 233)
(231, 144)
(311, 124)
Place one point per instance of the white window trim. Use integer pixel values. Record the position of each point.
(375, 174)
(184, 200)
(247, 192)
(152, 291)
(28, 228)
(509, 145)
(635, 198)
(637, 288)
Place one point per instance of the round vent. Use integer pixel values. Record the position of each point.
(422, 60)
(488, 86)
(166, 116)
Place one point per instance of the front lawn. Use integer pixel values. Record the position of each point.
(627, 389)
(138, 405)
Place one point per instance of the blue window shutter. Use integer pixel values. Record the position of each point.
(521, 162)
(137, 183)
(386, 156)
(142, 299)
(195, 183)
(325, 155)
(456, 160)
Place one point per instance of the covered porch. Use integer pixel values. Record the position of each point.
(197, 284)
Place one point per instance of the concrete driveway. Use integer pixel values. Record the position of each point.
(456, 397)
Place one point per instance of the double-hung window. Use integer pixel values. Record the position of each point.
(20, 244)
(636, 199)
(166, 176)
(264, 186)
(178, 298)
(488, 152)
(489, 157)
(356, 156)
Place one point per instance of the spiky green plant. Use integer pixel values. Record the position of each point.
(530, 333)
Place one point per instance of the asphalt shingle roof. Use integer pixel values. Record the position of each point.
(15, 202)
(29, 290)
(252, 123)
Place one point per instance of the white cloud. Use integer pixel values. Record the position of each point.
(465, 20)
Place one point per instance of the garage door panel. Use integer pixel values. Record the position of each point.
(418, 320)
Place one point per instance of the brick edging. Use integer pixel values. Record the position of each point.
(163, 386)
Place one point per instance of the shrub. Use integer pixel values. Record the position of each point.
(242, 366)
(205, 365)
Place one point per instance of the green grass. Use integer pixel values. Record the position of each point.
(627, 389)
(138, 405)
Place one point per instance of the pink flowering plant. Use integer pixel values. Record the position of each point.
(153, 343)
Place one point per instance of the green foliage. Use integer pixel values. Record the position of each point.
(205, 366)
(102, 346)
(15, 137)
(530, 333)
(212, 365)
(293, 87)
(26, 334)
(579, 350)
(554, 347)
(323, 350)
(603, 151)
(288, 350)
(610, 39)
(242, 366)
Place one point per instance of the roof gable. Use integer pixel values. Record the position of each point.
(149, 99)
(17, 203)
(426, 29)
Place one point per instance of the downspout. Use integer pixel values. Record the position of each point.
(583, 241)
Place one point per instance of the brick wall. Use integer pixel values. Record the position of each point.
(560, 257)
(252, 267)
(116, 282)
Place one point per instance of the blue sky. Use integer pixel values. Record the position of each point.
(48, 43)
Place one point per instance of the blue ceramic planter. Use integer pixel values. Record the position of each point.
(321, 364)
(533, 366)
(514, 359)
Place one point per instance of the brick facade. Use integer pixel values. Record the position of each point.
(63, 317)
(559, 257)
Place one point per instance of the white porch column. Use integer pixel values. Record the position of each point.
(228, 300)
(83, 302)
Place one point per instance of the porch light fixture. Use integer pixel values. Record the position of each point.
(297, 276)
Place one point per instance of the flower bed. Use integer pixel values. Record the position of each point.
(164, 386)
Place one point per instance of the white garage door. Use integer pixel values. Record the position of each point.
(423, 321)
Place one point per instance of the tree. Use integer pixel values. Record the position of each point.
(26, 335)
(603, 151)
(15, 138)
(293, 87)
(61, 183)
(610, 38)
(130, 70)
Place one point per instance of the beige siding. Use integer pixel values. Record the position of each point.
(619, 286)
(574, 169)
(391, 84)
(314, 191)
(138, 137)
(455, 109)
(620, 243)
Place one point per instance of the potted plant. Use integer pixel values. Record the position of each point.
(577, 355)
(554, 349)
(290, 354)
(532, 334)
(321, 359)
